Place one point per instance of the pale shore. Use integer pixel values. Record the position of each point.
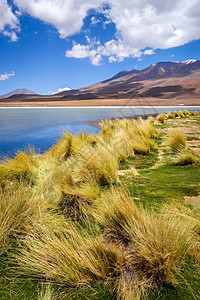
(99, 102)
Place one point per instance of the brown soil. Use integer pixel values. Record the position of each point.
(99, 102)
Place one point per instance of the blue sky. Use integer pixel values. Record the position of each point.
(46, 45)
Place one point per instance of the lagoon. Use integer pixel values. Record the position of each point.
(41, 127)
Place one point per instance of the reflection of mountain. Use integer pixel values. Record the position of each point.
(163, 80)
(18, 92)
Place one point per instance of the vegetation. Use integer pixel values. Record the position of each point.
(176, 140)
(104, 216)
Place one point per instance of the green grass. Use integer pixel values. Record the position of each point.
(165, 183)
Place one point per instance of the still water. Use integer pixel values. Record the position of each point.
(42, 127)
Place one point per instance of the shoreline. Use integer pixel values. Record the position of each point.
(96, 123)
(106, 106)
(101, 102)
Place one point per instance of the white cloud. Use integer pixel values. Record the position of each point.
(80, 51)
(59, 90)
(149, 52)
(149, 24)
(8, 21)
(156, 24)
(65, 15)
(83, 51)
(6, 76)
(140, 24)
(96, 60)
(114, 50)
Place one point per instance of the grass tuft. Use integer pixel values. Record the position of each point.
(186, 157)
(161, 118)
(176, 140)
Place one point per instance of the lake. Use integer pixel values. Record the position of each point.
(42, 127)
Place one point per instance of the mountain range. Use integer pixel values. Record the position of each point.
(163, 80)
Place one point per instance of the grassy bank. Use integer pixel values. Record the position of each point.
(107, 216)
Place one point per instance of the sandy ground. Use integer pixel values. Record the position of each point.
(99, 102)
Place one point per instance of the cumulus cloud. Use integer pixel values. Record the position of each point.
(59, 90)
(65, 15)
(140, 25)
(149, 24)
(6, 76)
(8, 21)
(83, 51)
(116, 51)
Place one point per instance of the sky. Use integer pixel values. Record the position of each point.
(51, 45)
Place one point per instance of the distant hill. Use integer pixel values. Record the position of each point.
(162, 80)
(19, 92)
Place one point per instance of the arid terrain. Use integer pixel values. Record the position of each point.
(163, 83)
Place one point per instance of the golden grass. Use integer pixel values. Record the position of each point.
(186, 157)
(76, 229)
(66, 258)
(98, 164)
(122, 144)
(161, 118)
(186, 113)
(107, 128)
(62, 150)
(176, 140)
(153, 245)
(151, 120)
(79, 202)
(17, 211)
(23, 166)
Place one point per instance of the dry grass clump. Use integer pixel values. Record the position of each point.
(23, 166)
(161, 118)
(62, 149)
(176, 140)
(169, 115)
(122, 144)
(181, 114)
(193, 217)
(79, 202)
(142, 136)
(151, 120)
(142, 145)
(107, 128)
(17, 212)
(153, 245)
(67, 258)
(186, 113)
(83, 139)
(98, 164)
(186, 157)
(139, 249)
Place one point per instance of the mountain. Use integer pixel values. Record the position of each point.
(176, 82)
(162, 80)
(19, 92)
